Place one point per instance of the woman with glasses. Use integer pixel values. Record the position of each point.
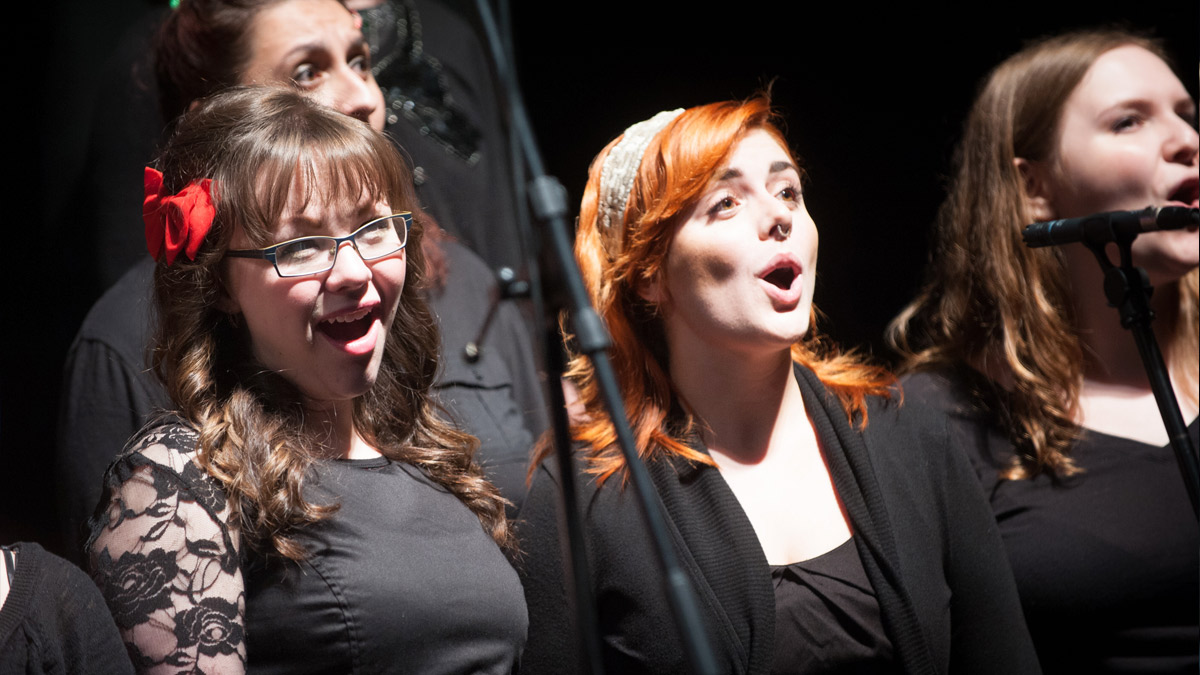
(316, 47)
(823, 528)
(302, 509)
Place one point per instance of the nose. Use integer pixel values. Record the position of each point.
(1183, 146)
(777, 221)
(349, 270)
(355, 94)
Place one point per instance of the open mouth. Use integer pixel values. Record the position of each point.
(1188, 193)
(348, 327)
(781, 277)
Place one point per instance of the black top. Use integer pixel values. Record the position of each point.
(402, 578)
(1108, 561)
(827, 618)
(922, 530)
(54, 620)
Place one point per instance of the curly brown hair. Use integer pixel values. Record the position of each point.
(255, 143)
(994, 304)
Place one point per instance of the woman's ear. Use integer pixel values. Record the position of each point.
(652, 291)
(225, 301)
(1035, 180)
(227, 304)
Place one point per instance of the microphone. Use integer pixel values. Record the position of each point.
(1101, 228)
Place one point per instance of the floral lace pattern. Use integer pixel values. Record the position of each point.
(166, 560)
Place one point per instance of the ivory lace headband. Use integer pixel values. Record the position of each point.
(618, 172)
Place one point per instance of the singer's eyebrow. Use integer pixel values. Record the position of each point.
(776, 167)
(780, 167)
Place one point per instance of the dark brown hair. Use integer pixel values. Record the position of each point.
(201, 48)
(993, 303)
(255, 144)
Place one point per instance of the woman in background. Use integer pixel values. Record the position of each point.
(1045, 390)
(823, 529)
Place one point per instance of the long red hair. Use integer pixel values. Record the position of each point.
(675, 169)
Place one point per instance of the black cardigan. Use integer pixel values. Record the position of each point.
(55, 621)
(923, 530)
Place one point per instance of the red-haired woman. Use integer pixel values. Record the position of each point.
(823, 529)
(1045, 389)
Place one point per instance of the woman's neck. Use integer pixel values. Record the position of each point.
(758, 432)
(1116, 396)
(744, 401)
(332, 426)
(1110, 353)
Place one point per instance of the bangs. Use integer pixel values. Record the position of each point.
(336, 162)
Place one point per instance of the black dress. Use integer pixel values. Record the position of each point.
(1107, 562)
(402, 578)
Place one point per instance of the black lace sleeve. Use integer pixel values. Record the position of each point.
(166, 559)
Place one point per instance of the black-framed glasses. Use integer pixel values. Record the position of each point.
(313, 255)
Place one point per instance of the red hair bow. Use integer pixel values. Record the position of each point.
(176, 222)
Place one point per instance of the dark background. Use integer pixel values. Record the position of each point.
(872, 99)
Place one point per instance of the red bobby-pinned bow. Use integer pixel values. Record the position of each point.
(176, 222)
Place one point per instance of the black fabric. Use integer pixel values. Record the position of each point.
(54, 621)
(827, 619)
(498, 397)
(401, 578)
(108, 394)
(473, 199)
(860, 495)
(936, 564)
(1107, 562)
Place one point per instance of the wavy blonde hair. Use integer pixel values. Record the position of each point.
(256, 144)
(675, 169)
(990, 301)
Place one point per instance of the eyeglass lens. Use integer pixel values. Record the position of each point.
(317, 254)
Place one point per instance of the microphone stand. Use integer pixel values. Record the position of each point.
(508, 287)
(1128, 289)
(548, 199)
